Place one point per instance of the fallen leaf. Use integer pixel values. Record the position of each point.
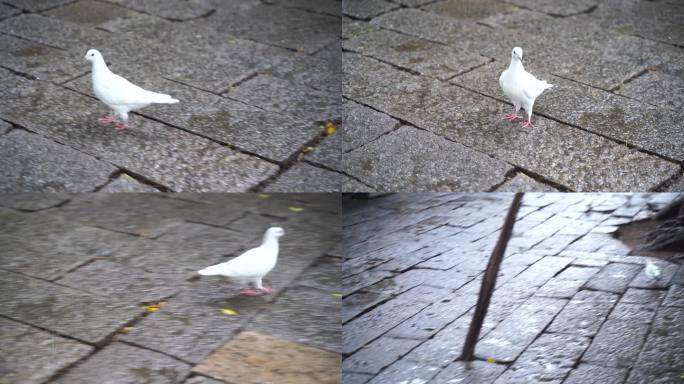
(308, 149)
(295, 209)
(336, 295)
(125, 329)
(152, 308)
(230, 312)
(264, 195)
(330, 128)
(491, 360)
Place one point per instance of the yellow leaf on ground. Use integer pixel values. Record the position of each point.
(491, 360)
(264, 195)
(152, 308)
(336, 295)
(125, 329)
(330, 128)
(308, 149)
(295, 209)
(230, 312)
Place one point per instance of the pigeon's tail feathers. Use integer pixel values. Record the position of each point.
(546, 85)
(218, 269)
(160, 98)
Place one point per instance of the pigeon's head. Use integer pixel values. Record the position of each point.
(275, 232)
(92, 55)
(517, 53)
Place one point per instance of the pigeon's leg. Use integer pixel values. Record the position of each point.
(513, 116)
(259, 285)
(124, 118)
(258, 288)
(528, 123)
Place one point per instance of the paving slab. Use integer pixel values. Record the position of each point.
(69, 244)
(596, 374)
(25, 155)
(660, 359)
(150, 149)
(37, 60)
(176, 10)
(410, 159)
(513, 335)
(121, 363)
(480, 128)
(414, 54)
(89, 12)
(657, 88)
(547, 360)
(6, 11)
(287, 27)
(363, 125)
(28, 362)
(408, 371)
(523, 183)
(476, 372)
(304, 177)
(107, 278)
(617, 344)
(257, 358)
(584, 313)
(125, 183)
(289, 318)
(370, 325)
(366, 9)
(378, 354)
(37, 5)
(277, 95)
(566, 9)
(63, 310)
(614, 277)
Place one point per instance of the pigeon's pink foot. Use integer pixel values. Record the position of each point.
(121, 127)
(250, 292)
(107, 119)
(527, 124)
(512, 117)
(267, 290)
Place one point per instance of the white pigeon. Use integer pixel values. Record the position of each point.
(521, 87)
(652, 271)
(252, 265)
(119, 94)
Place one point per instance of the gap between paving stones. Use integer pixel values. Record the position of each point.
(509, 175)
(112, 177)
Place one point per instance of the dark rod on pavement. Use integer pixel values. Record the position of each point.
(489, 280)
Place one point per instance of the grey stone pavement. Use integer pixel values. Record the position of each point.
(257, 81)
(572, 305)
(423, 108)
(80, 275)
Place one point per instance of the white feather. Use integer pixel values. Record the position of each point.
(652, 271)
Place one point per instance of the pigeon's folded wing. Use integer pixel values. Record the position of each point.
(248, 264)
(533, 87)
(120, 91)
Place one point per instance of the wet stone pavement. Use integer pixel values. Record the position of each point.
(572, 305)
(422, 99)
(104, 286)
(257, 82)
